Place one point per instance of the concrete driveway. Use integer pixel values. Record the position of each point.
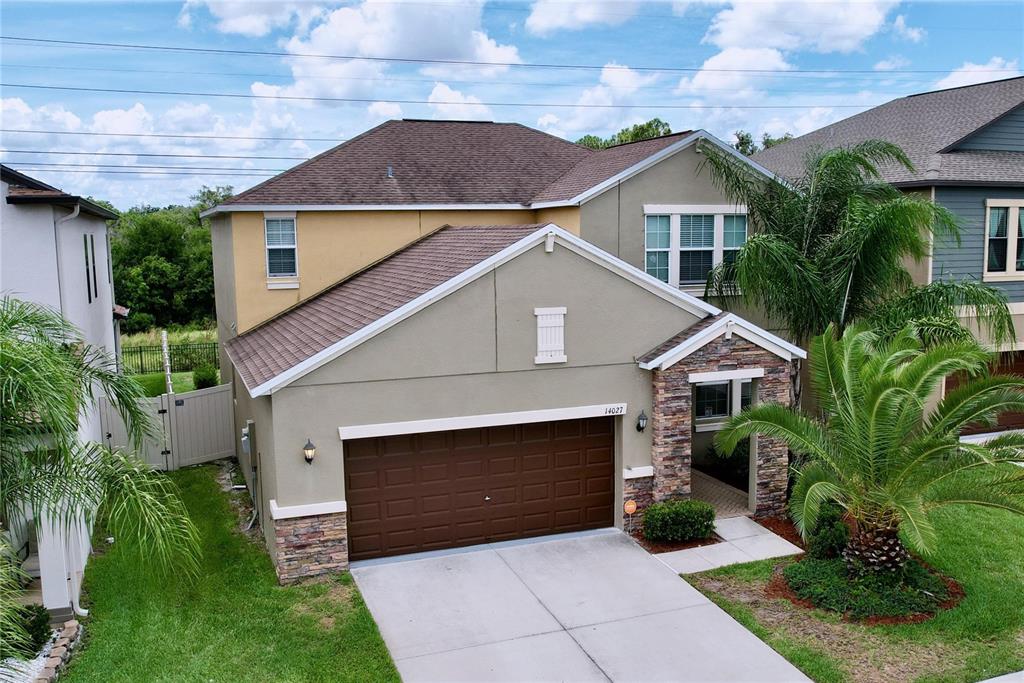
(582, 607)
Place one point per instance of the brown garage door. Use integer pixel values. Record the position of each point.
(1007, 364)
(435, 490)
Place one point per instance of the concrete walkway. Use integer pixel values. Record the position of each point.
(745, 541)
(579, 607)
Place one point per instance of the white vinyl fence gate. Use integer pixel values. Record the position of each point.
(192, 428)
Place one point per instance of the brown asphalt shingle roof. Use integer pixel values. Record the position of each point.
(315, 324)
(449, 162)
(681, 337)
(434, 162)
(923, 125)
(602, 165)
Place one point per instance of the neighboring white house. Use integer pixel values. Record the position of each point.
(54, 250)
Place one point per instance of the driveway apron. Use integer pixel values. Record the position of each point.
(581, 607)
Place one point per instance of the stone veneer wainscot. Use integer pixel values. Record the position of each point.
(310, 546)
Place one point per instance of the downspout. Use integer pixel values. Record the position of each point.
(57, 222)
(74, 550)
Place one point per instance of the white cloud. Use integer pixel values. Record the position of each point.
(722, 76)
(547, 16)
(253, 19)
(914, 35)
(375, 30)
(825, 27)
(384, 110)
(617, 84)
(452, 104)
(891, 64)
(970, 73)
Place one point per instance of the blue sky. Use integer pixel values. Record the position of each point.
(815, 62)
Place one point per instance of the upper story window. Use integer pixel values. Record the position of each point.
(683, 243)
(1004, 239)
(281, 251)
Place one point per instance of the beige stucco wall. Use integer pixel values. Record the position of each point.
(614, 220)
(331, 246)
(472, 353)
(224, 282)
(567, 217)
(262, 483)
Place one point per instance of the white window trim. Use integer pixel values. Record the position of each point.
(283, 279)
(556, 354)
(716, 422)
(1012, 222)
(674, 211)
(445, 424)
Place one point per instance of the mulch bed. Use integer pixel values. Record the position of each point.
(782, 526)
(654, 547)
(778, 588)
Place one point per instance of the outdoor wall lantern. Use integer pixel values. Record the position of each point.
(309, 451)
(641, 422)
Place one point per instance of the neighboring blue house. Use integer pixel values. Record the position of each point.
(967, 147)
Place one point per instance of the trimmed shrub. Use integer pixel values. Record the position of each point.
(35, 620)
(205, 376)
(830, 534)
(829, 585)
(676, 521)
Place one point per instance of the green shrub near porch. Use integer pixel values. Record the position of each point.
(677, 521)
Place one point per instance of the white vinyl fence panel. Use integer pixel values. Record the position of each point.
(191, 428)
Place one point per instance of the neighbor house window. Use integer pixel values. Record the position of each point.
(658, 243)
(1004, 239)
(280, 242)
(683, 243)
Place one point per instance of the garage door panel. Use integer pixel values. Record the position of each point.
(427, 491)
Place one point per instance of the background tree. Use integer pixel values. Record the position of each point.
(48, 474)
(880, 453)
(163, 263)
(640, 131)
(831, 247)
(745, 142)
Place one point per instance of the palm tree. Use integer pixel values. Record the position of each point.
(831, 247)
(47, 473)
(882, 453)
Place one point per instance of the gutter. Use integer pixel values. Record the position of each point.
(60, 261)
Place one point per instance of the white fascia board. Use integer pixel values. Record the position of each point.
(687, 302)
(725, 375)
(231, 208)
(445, 424)
(691, 139)
(729, 323)
(308, 510)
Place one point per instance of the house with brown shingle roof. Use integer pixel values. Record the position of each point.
(450, 333)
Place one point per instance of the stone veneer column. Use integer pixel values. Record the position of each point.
(673, 424)
(311, 546)
(670, 450)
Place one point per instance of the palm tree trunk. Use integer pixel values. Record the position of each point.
(875, 547)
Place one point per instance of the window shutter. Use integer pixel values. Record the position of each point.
(550, 335)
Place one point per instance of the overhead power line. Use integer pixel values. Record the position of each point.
(170, 135)
(178, 173)
(145, 154)
(144, 166)
(449, 62)
(366, 100)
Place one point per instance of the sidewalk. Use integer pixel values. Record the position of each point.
(744, 541)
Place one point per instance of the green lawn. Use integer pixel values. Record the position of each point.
(154, 384)
(233, 624)
(982, 637)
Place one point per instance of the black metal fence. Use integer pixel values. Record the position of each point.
(140, 360)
